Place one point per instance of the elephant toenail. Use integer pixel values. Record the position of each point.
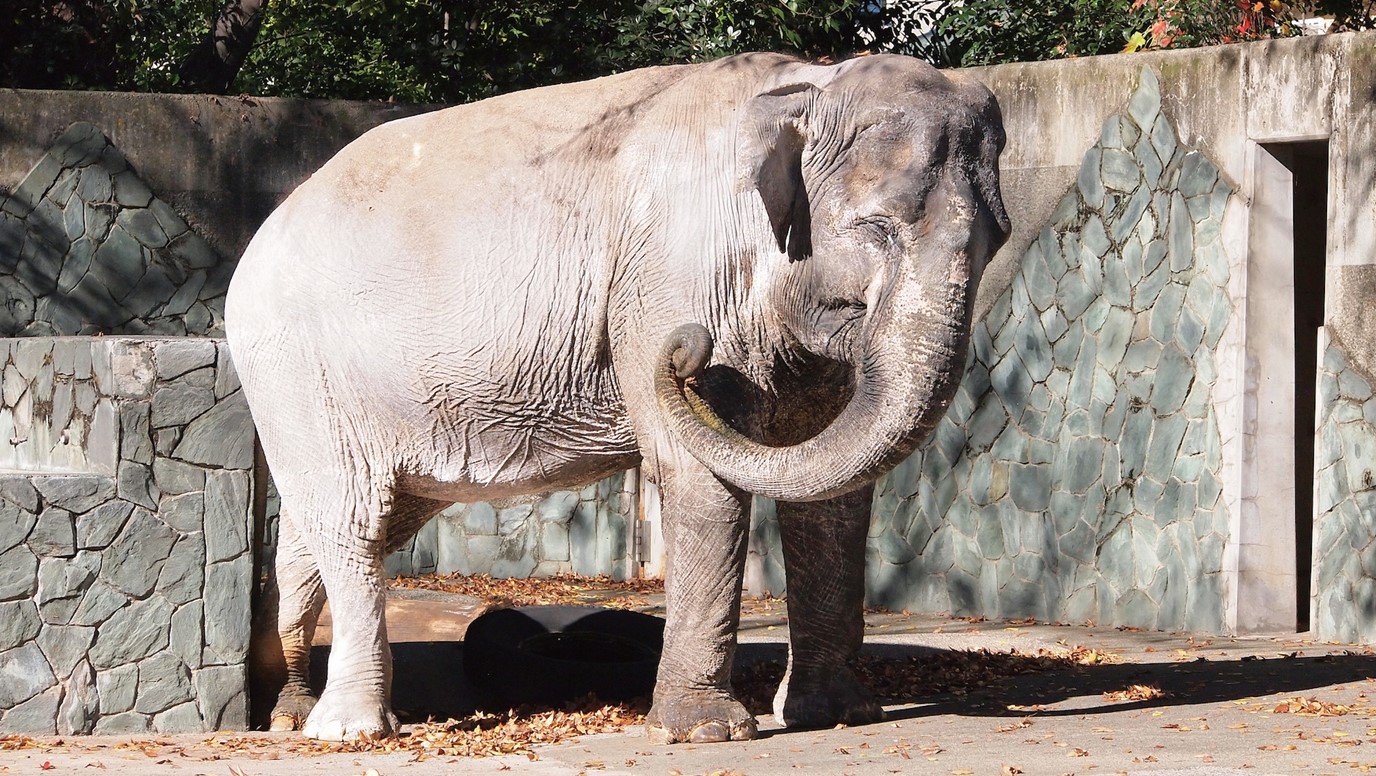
(710, 732)
(744, 731)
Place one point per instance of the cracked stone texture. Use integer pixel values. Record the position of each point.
(87, 248)
(123, 578)
(1344, 573)
(1076, 475)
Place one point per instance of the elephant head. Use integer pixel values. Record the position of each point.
(880, 181)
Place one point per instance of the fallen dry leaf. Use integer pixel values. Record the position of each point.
(565, 589)
(1137, 692)
(1311, 707)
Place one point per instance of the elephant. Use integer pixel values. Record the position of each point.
(746, 276)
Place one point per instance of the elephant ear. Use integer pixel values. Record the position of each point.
(771, 162)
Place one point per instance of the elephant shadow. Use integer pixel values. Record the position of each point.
(1085, 690)
(429, 682)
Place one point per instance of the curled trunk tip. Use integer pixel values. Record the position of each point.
(688, 348)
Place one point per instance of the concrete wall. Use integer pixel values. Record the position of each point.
(125, 563)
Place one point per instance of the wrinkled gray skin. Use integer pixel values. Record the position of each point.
(748, 276)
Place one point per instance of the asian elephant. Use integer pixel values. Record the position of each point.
(753, 275)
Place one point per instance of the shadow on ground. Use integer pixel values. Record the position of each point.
(428, 680)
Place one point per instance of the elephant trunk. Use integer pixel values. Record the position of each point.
(906, 376)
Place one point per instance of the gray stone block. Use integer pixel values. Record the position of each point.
(76, 493)
(178, 403)
(227, 589)
(36, 716)
(116, 688)
(179, 357)
(554, 541)
(54, 535)
(133, 633)
(24, 673)
(15, 525)
(80, 702)
(221, 437)
(184, 718)
(18, 573)
(164, 682)
(134, 560)
(226, 377)
(187, 635)
(182, 576)
(19, 623)
(135, 484)
(65, 646)
(228, 514)
(175, 478)
(130, 190)
(221, 697)
(62, 582)
(1126, 223)
(183, 513)
(128, 723)
(136, 440)
(1089, 182)
(143, 226)
(118, 264)
(20, 492)
(96, 528)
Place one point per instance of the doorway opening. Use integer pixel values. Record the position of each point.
(1307, 164)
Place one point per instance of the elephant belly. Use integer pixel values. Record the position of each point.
(512, 455)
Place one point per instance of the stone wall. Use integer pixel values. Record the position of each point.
(125, 563)
(87, 248)
(1344, 576)
(1076, 475)
(586, 532)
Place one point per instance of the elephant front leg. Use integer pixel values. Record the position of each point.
(824, 560)
(705, 529)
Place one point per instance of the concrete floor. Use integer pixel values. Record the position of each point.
(1218, 714)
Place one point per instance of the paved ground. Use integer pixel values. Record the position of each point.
(1250, 706)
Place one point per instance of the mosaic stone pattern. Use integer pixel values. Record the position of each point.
(124, 593)
(1345, 504)
(579, 532)
(1075, 477)
(86, 248)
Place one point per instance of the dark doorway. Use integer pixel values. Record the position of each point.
(1308, 165)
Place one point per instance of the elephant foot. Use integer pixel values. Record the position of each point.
(823, 700)
(347, 716)
(699, 717)
(291, 711)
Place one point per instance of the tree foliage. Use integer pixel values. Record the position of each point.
(461, 50)
(984, 32)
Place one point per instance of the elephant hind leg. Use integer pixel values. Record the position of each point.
(285, 629)
(345, 529)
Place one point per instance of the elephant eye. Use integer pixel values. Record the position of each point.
(879, 229)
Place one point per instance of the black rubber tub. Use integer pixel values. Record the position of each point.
(550, 655)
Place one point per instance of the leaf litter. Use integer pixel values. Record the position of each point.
(520, 731)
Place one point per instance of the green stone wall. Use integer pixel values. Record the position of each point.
(1345, 503)
(1076, 475)
(565, 532)
(86, 248)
